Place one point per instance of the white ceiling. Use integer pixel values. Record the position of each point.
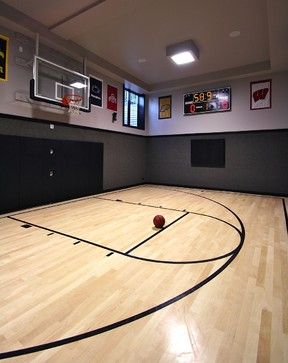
(115, 34)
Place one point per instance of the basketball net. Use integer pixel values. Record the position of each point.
(73, 102)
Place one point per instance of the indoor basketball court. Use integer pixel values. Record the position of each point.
(143, 203)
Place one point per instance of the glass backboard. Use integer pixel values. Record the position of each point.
(51, 82)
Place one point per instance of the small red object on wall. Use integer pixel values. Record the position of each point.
(260, 95)
(111, 98)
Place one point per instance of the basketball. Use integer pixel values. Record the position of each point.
(159, 221)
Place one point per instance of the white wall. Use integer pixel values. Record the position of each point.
(18, 86)
(240, 118)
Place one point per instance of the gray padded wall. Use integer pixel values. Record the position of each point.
(124, 154)
(255, 162)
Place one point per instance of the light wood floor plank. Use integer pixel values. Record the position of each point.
(55, 285)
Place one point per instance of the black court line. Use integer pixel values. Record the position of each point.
(155, 234)
(64, 234)
(138, 257)
(173, 209)
(141, 204)
(285, 213)
(91, 333)
(200, 196)
(109, 254)
(76, 243)
(97, 331)
(120, 190)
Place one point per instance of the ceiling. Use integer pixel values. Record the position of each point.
(127, 38)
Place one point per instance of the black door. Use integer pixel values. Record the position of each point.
(36, 173)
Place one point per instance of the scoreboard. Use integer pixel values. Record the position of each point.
(214, 100)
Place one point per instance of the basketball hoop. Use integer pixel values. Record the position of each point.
(73, 102)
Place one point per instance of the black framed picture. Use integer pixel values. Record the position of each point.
(208, 101)
(96, 91)
(164, 107)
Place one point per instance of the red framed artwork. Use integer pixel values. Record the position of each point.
(260, 94)
(111, 98)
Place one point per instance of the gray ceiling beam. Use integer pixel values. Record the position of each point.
(77, 13)
(36, 27)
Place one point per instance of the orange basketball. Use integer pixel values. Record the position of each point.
(159, 221)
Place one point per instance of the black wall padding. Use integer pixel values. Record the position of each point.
(41, 171)
(255, 162)
(208, 153)
(9, 173)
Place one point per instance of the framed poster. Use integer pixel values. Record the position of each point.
(208, 101)
(164, 107)
(96, 91)
(260, 94)
(4, 41)
(111, 98)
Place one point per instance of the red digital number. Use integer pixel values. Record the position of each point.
(192, 108)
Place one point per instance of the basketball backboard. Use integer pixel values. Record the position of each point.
(52, 82)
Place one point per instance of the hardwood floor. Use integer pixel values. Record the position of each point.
(210, 287)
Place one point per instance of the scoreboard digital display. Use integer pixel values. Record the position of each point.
(214, 100)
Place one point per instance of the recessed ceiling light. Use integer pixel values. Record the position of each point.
(234, 34)
(142, 60)
(183, 58)
(183, 53)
